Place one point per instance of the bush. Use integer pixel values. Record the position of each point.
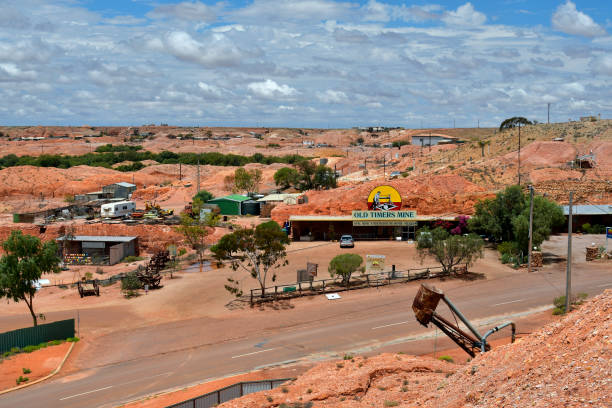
(508, 247)
(132, 258)
(130, 282)
(507, 258)
(391, 403)
(72, 339)
(26, 370)
(446, 358)
(21, 379)
(182, 252)
(559, 303)
(29, 349)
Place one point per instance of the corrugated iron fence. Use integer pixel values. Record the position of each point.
(42, 333)
(229, 393)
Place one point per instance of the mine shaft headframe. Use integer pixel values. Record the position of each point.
(424, 307)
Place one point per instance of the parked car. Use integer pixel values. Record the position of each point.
(347, 241)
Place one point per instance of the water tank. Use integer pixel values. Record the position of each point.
(250, 208)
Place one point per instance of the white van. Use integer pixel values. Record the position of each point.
(119, 209)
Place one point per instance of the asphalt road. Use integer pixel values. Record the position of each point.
(346, 326)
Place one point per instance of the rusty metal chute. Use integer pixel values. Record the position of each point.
(424, 306)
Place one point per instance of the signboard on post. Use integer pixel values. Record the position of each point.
(375, 263)
(608, 232)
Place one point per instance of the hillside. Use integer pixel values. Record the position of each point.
(566, 363)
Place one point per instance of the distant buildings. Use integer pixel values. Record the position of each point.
(433, 139)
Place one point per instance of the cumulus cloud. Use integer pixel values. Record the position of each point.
(217, 51)
(603, 65)
(294, 10)
(195, 11)
(270, 89)
(465, 15)
(331, 96)
(209, 90)
(11, 72)
(571, 21)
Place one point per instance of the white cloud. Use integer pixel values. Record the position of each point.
(294, 10)
(11, 72)
(571, 21)
(465, 15)
(195, 11)
(331, 96)
(376, 11)
(216, 51)
(124, 20)
(210, 90)
(270, 89)
(603, 65)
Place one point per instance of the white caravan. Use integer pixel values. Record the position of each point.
(119, 209)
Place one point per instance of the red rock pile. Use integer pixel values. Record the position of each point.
(565, 364)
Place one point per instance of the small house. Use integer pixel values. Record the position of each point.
(119, 190)
(231, 204)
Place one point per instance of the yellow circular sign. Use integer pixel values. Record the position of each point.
(384, 198)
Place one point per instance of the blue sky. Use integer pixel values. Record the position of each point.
(303, 63)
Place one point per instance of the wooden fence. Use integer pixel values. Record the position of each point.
(321, 286)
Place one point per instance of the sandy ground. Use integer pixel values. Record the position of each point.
(41, 363)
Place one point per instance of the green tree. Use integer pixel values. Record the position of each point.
(344, 266)
(247, 180)
(506, 218)
(494, 216)
(449, 250)
(513, 122)
(307, 171)
(24, 262)
(546, 216)
(286, 177)
(195, 231)
(482, 144)
(258, 251)
(204, 195)
(324, 177)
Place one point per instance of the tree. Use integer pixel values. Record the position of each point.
(506, 218)
(345, 265)
(513, 122)
(286, 177)
(247, 180)
(546, 215)
(195, 232)
(494, 216)
(449, 250)
(324, 177)
(259, 251)
(482, 144)
(23, 264)
(204, 195)
(307, 171)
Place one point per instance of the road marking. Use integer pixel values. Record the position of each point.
(85, 393)
(147, 378)
(605, 284)
(255, 352)
(507, 303)
(389, 325)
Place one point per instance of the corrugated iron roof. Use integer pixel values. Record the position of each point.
(231, 197)
(590, 209)
(125, 184)
(98, 238)
(279, 197)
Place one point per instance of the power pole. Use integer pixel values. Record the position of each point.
(519, 156)
(548, 120)
(384, 167)
(180, 172)
(430, 140)
(530, 227)
(198, 187)
(478, 123)
(568, 276)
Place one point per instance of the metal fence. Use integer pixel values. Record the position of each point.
(321, 286)
(42, 333)
(229, 393)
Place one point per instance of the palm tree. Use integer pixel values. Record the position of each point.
(482, 144)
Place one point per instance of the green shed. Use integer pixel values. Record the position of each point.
(231, 204)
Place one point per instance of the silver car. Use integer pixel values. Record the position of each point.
(347, 241)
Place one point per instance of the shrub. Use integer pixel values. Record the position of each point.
(132, 258)
(55, 342)
(285, 390)
(391, 403)
(21, 379)
(339, 365)
(507, 247)
(29, 349)
(559, 303)
(182, 252)
(446, 358)
(72, 339)
(506, 258)
(26, 370)
(130, 282)
(348, 357)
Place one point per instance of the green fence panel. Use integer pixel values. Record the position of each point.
(31, 336)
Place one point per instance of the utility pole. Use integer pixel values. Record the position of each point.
(519, 156)
(198, 187)
(530, 228)
(384, 167)
(568, 276)
(478, 123)
(548, 120)
(453, 123)
(430, 140)
(180, 172)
